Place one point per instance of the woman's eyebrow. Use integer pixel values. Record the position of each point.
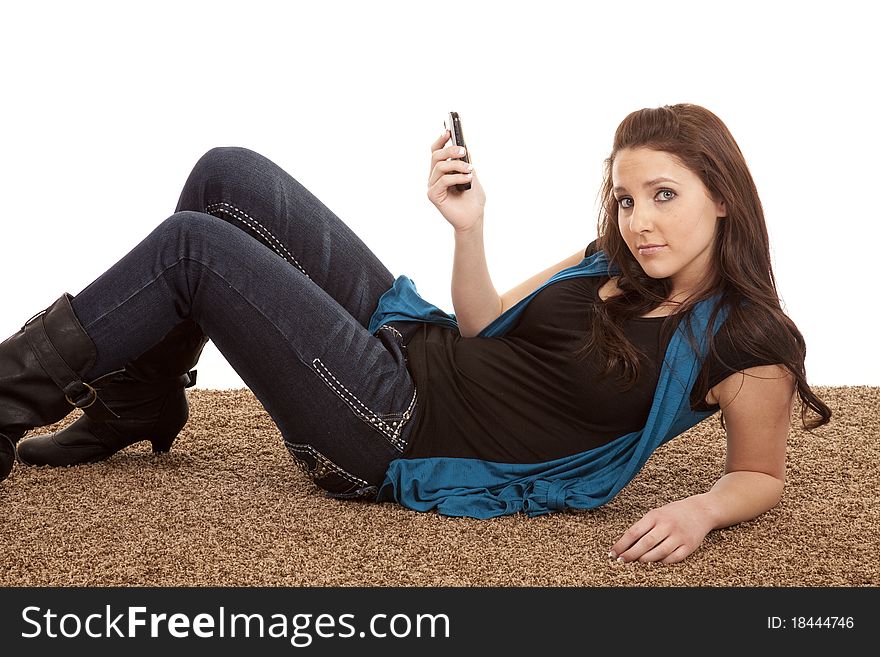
(620, 188)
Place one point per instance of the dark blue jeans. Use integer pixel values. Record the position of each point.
(285, 290)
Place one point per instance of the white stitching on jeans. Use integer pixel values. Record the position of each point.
(393, 330)
(400, 337)
(323, 465)
(267, 235)
(390, 430)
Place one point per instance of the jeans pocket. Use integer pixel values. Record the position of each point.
(327, 475)
(388, 420)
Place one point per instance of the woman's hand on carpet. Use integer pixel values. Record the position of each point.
(667, 534)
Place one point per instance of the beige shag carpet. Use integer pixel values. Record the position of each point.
(228, 507)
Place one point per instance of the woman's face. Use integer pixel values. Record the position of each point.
(678, 214)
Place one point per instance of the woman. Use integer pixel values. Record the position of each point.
(550, 396)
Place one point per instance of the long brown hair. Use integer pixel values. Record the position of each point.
(741, 271)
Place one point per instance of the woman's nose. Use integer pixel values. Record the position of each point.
(640, 219)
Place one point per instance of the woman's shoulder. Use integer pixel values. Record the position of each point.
(592, 247)
(738, 350)
(754, 329)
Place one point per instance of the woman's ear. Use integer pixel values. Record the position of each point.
(720, 209)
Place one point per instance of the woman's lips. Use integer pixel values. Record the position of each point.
(651, 250)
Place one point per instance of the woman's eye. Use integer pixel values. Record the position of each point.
(622, 202)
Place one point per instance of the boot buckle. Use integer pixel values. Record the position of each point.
(91, 393)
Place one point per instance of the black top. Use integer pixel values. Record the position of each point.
(524, 397)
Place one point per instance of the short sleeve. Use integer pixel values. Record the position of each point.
(730, 360)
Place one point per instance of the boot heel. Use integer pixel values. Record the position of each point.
(162, 445)
(173, 418)
(7, 456)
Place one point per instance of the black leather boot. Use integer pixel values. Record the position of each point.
(148, 397)
(41, 368)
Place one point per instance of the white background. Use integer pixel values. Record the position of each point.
(106, 107)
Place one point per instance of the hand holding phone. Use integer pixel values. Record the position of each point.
(453, 186)
(453, 124)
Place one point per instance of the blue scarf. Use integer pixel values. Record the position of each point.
(485, 489)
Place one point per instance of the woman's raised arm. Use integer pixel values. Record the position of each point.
(474, 298)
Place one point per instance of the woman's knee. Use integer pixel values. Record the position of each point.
(185, 226)
(226, 158)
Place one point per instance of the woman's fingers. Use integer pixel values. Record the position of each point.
(454, 152)
(436, 147)
(649, 541)
(447, 169)
(451, 178)
(631, 535)
(440, 141)
(660, 551)
(438, 189)
(655, 537)
(678, 554)
(438, 152)
(444, 167)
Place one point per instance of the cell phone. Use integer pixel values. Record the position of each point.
(453, 124)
